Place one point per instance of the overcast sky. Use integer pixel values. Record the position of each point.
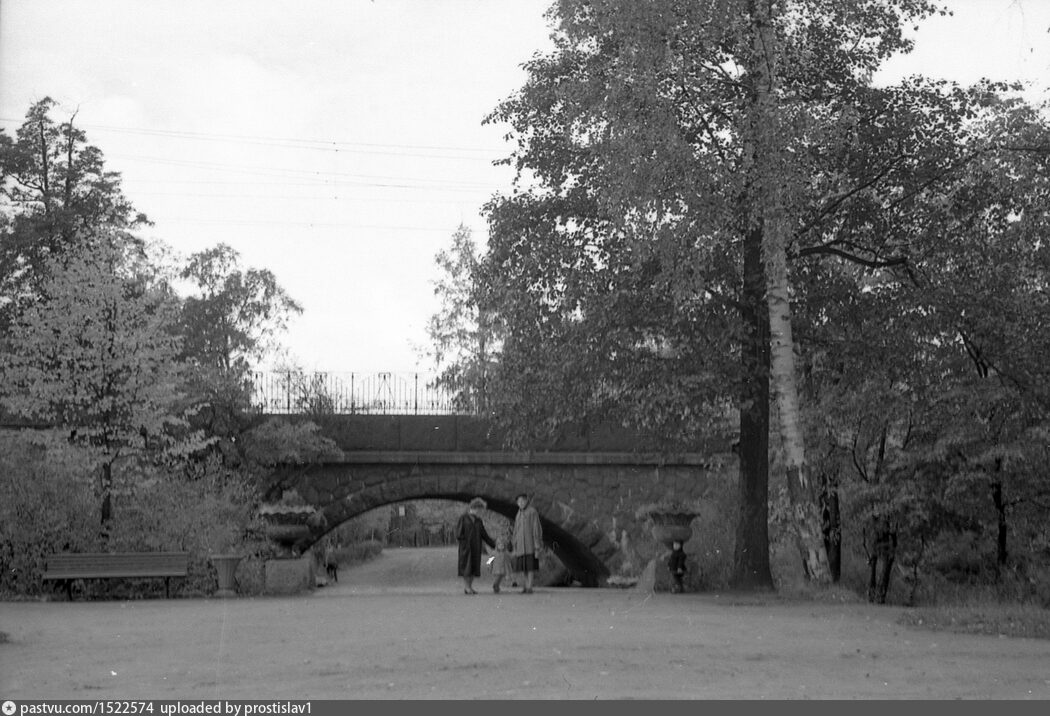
(339, 144)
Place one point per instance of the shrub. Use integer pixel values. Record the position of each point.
(47, 505)
(357, 552)
(713, 539)
(210, 513)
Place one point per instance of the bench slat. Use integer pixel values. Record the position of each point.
(117, 564)
(68, 566)
(101, 573)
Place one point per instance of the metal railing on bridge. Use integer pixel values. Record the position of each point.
(324, 393)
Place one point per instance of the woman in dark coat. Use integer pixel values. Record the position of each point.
(470, 533)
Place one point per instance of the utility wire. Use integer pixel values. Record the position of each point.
(320, 176)
(294, 143)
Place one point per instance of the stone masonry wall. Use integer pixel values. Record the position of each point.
(588, 508)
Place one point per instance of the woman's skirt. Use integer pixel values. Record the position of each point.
(526, 563)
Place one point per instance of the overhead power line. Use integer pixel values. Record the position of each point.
(326, 145)
(320, 176)
(319, 224)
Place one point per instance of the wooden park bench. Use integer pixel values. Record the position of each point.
(68, 566)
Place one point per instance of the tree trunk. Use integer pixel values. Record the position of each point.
(751, 552)
(1001, 554)
(106, 490)
(832, 529)
(771, 213)
(883, 555)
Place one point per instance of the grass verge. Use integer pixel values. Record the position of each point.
(992, 619)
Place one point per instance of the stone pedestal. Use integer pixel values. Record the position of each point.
(668, 528)
(290, 576)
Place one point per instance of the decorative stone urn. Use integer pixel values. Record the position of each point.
(669, 523)
(286, 524)
(670, 527)
(226, 566)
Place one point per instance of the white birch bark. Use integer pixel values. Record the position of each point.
(772, 211)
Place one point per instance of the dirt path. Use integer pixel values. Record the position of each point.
(400, 627)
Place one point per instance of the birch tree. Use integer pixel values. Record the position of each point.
(691, 146)
(462, 335)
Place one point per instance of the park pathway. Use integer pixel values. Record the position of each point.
(401, 627)
(403, 570)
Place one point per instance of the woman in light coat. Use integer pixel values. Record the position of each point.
(527, 540)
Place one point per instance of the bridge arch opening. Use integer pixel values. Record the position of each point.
(580, 563)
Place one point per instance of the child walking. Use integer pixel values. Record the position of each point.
(676, 563)
(500, 563)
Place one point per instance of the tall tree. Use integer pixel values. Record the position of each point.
(927, 359)
(704, 143)
(462, 337)
(55, 191)
(231, 318)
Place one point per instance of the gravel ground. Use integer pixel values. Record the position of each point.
(400, 627)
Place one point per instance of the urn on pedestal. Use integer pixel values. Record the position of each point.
(670, 520)
(226, 567)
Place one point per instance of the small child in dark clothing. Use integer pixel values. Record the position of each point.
(676, 563)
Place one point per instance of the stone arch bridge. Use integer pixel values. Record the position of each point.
(587, 486)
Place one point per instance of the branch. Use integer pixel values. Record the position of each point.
(974, 352)
(870, 263)
(853, 455)
(838, 201)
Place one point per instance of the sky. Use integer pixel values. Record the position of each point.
(340, 144)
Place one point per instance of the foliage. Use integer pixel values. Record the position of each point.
(370, 526)
(356, 552)
(941, 364)
(462, 334)
(45, 507)
(97, 353)
(210, 513)
(280, 441)
(139, 381)
(657, 155)
(55, 191)
(230, 319)
(235, 313)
